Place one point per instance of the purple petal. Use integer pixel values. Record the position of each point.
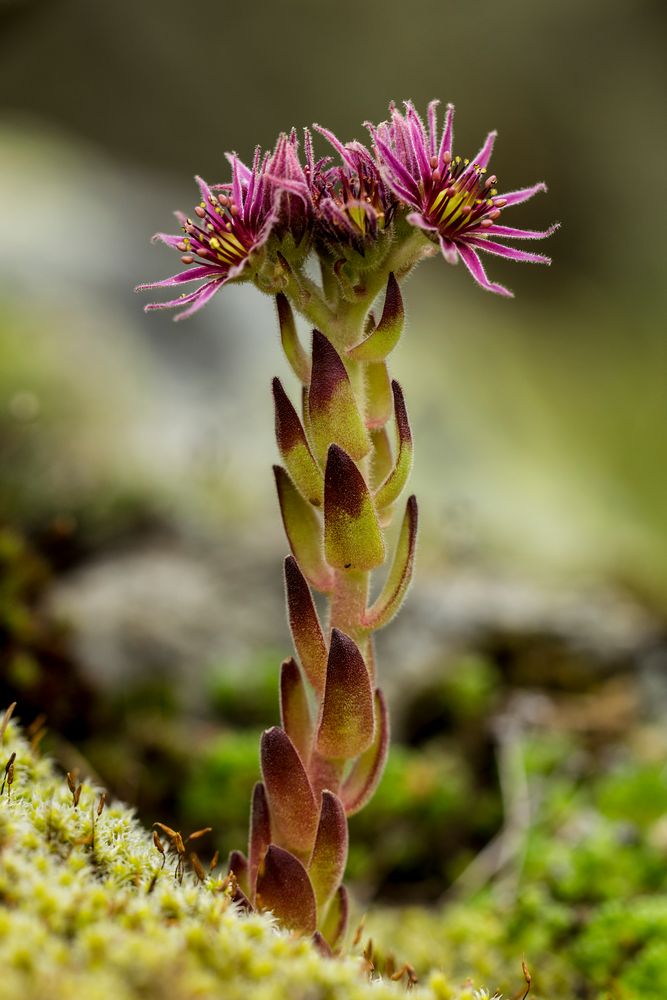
(517, 234)
(194, 274)
(432, 128)
(206, 292)
(405, 179)
(449, 250)
(418, 140)
(476, 268)
(171, 241)
(484, 154)
(205, 190)
(244, 172)
(337, 145)
(524, 194)
(500, 251)
(447, 136)
(183, 299)
(417, 219)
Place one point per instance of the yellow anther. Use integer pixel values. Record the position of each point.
(215, 242)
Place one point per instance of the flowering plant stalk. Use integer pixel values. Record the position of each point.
(368, 219)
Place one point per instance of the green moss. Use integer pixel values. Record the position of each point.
(87, 910)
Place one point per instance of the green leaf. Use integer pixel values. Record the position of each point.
(294, 352)
(333, 412)
(327, 864)
(260, 834)
(400, 574)
(292, 806)
(294, 711)
(304, 532)
(352, 536)
(393, 485)
(305, 626)
(294, 448)
(383, 339)
(334, 923)
(284, 888)
(366, 772)
(378, 395)
(346, 722)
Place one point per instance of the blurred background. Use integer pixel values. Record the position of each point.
(140, 545)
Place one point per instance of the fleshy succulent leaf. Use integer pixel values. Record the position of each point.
(260, 834)
(284, 888)
(366, 772)
(346, 723)
(294, 448)
(382, 461)
(292, 806)
(334, 923)
(238, 864)
(305, 626)
(378, 395)
(322, 945)
(327, 864)
(352, 536)
(398, 580)
(383, 339)
(303, 530)
(332, 408)
(294, 351)
(393, 485)
(294, 711)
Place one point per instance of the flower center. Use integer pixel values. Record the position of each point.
(461, 196)
(219, 237)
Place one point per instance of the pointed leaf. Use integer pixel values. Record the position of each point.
(382, 461)
(381, 341)
(284, 888)
(366, 772)
(334, 923)
(352, 536)
(294, 352)
(238, 863)
(400, 574)
(320, 944)
(346, 723)
(333, 411)
(396, 480)
(378, 395)
(305, 626)
(295, 450)
(303, 530)
(292, 806)
(327, 864)
(260, 834)
(294, 711)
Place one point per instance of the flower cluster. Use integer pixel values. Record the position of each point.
(262, 224)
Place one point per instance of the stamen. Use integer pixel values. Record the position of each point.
(200, 212)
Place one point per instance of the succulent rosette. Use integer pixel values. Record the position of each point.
(454, 200)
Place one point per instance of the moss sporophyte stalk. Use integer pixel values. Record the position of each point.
(368, 218)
